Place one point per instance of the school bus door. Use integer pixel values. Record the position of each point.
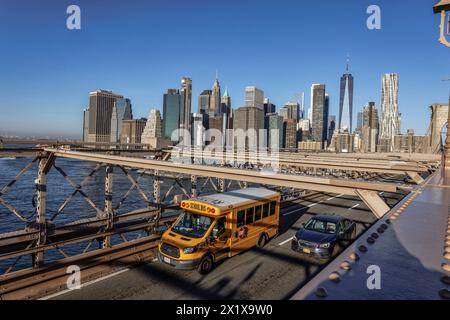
(221, 234)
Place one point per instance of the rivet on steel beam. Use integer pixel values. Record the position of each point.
(335, 277)
(375, 235)
(370, 240)
(321, 292)
(345, 266)
(362, 248)
(446, 280)
(388, 221)
(354, 256)
(444, 294)
(446, 267)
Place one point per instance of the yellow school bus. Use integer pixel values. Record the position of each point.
(219, 226)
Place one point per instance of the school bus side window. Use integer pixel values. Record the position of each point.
(258, 213)
(272, 207)
(265, 210)
(240, 218)
(249, 217)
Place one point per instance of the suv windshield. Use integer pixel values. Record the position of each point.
(321, 226)
(192, 225)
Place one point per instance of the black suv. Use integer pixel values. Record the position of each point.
(319, 235)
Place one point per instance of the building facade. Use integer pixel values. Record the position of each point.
(369, 128)
(101, 105)
(215, 102)
(121, 111)
(254, 97)
(185, 115)
(153, 127)
(274, 131)
(390, 116)
(251, 121)
(132, 130)
(171, 113)
(204, 101)
(290, 135)
(319, 123)
(346, 102)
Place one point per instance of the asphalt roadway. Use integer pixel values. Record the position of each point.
(273, 272)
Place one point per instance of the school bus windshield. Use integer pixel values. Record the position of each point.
(192, 225)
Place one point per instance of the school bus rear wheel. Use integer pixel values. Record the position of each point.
(262, 240)
(205, 265)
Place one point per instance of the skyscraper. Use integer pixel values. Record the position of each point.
(390, 117)
(121, 111)
(227, 121)
(291, 110)
(85, 124)
(132, 130)
(290, 135)
(225, 103)
(101, 104)
(215, 99)
(204, 101)
(198, 129)
(254, 97)
(185, 115)
(268, 107)
(251, 120)
(359, 120)
(274, 131)
(172, 107)
(153, 127)
(331, 128)
(319, 107)
(369, 128)
(346, 102)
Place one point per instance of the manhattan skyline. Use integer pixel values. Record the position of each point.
(48, 70)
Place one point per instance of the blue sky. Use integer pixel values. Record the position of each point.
(141, 48)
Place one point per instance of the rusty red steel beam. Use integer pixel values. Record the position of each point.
(285, 180)
(36, 282)
(29, 234)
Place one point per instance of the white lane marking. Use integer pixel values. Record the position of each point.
(339, 196)
(314, 204)
(356, 205)
(285, 241)
(85, 284)
(293, 211)
(330, 198)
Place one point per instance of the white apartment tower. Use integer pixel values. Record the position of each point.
(390, 117)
